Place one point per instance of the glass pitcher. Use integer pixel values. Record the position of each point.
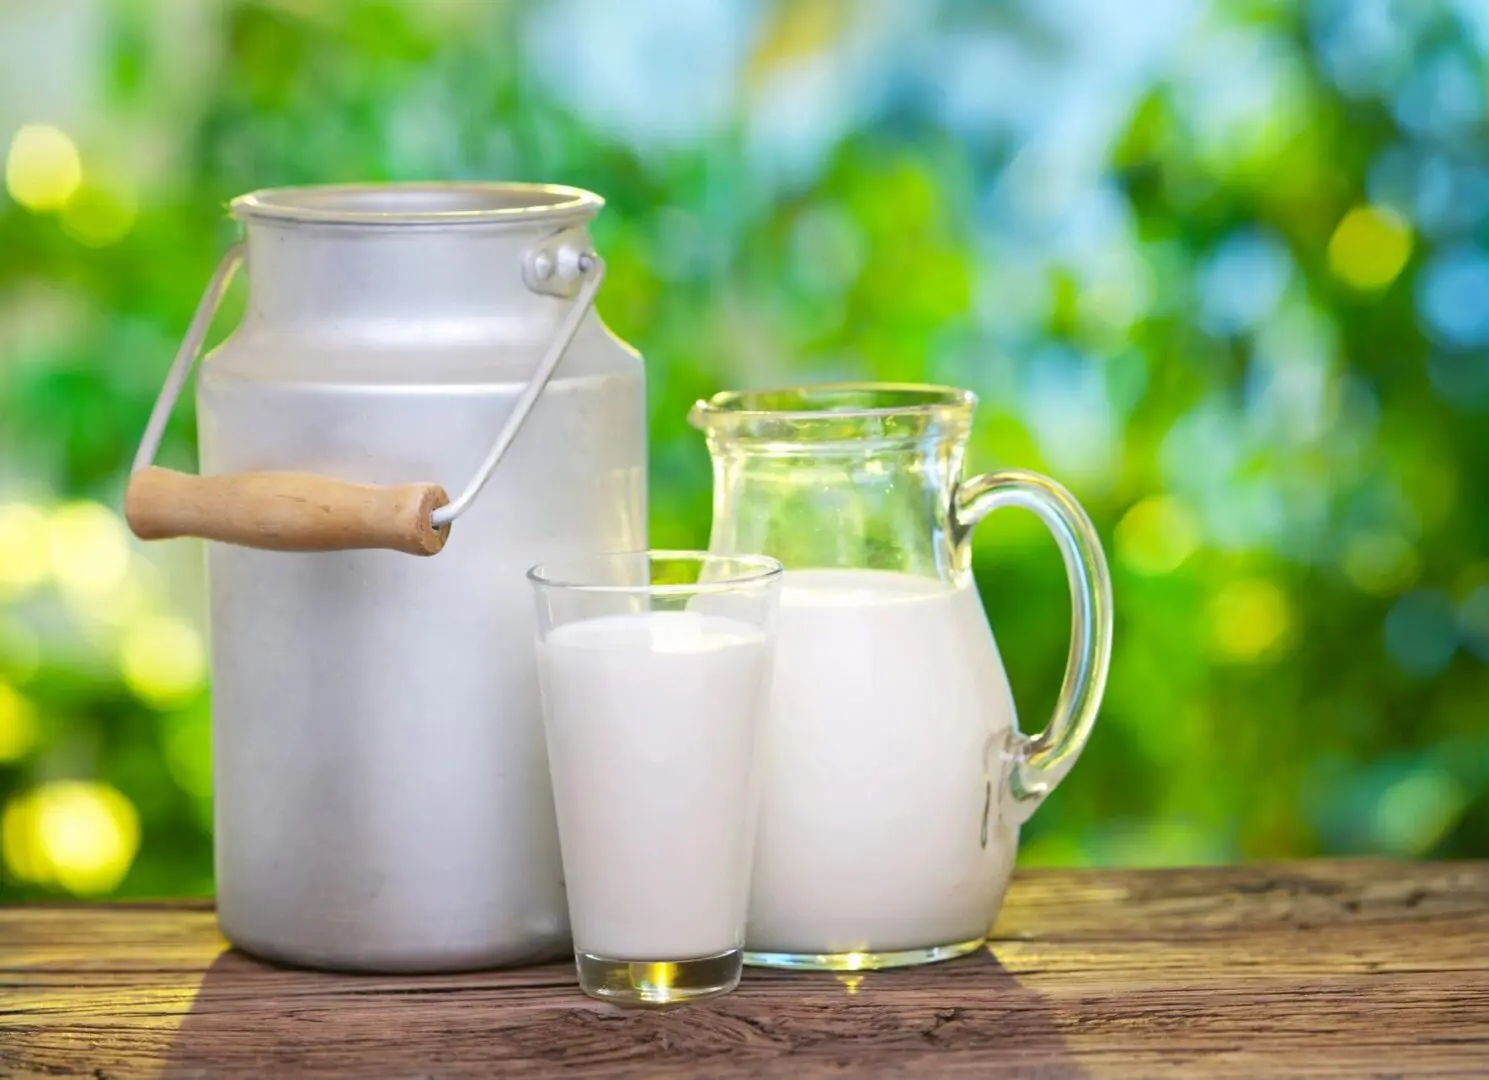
(895, 776)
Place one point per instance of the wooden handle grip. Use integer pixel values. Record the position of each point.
(285, 511)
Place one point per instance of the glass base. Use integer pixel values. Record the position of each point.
(663, 982)
(862, 961)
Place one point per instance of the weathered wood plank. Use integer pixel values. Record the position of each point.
(1313, 969)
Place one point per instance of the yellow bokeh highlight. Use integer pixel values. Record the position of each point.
(1156, 536)
(20, 847)
(128, 603)
(1381, 564)
(17, 724)
(796, 31)
(81, 835)
(163, 661)
(23, 547)
(88, 549)
(1249, 619)
(98, 216)
(1370, 247)
(43, 168)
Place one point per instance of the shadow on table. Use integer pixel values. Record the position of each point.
(254, 1019)
(909, 1019)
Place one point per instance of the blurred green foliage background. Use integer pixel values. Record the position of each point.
(1220, 267)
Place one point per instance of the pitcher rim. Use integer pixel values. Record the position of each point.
(467, 202)
(937, 398)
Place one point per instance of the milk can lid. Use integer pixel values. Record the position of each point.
(423, 203)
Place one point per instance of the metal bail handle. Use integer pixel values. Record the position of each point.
(295, 511)
(568, 263)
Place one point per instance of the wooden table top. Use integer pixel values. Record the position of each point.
(1302, 969)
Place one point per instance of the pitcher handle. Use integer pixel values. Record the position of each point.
(292, 511)
(1039, 762)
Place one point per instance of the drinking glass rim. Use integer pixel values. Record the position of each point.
(764, 569)
(935, 398)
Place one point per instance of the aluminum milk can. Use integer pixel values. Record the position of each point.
(382, 793)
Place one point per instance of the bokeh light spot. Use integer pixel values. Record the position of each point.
(1157, 535)
(98, 216)
(1381, 564)
(1453, 297)
(1416, 812)
(1249, 619)
(23, 547)
(162, 660)
(43, 168)
(1363, 46)
(1370, 247)
(1461, 379)
(18, 841)
(17, 724)
(1473, 621)
(132, 600)
(81, 835)
(1243, 281)
(1441, 97)
(1422, 632)
(88, 549)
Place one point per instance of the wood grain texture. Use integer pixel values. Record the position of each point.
(1327, 969)
(285, 511)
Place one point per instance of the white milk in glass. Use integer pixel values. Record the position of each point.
(652, 722)
(879, 826)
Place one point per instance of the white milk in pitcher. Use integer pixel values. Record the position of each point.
(653, 723)
(879, 826)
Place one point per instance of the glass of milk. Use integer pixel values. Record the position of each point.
(655, 670)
